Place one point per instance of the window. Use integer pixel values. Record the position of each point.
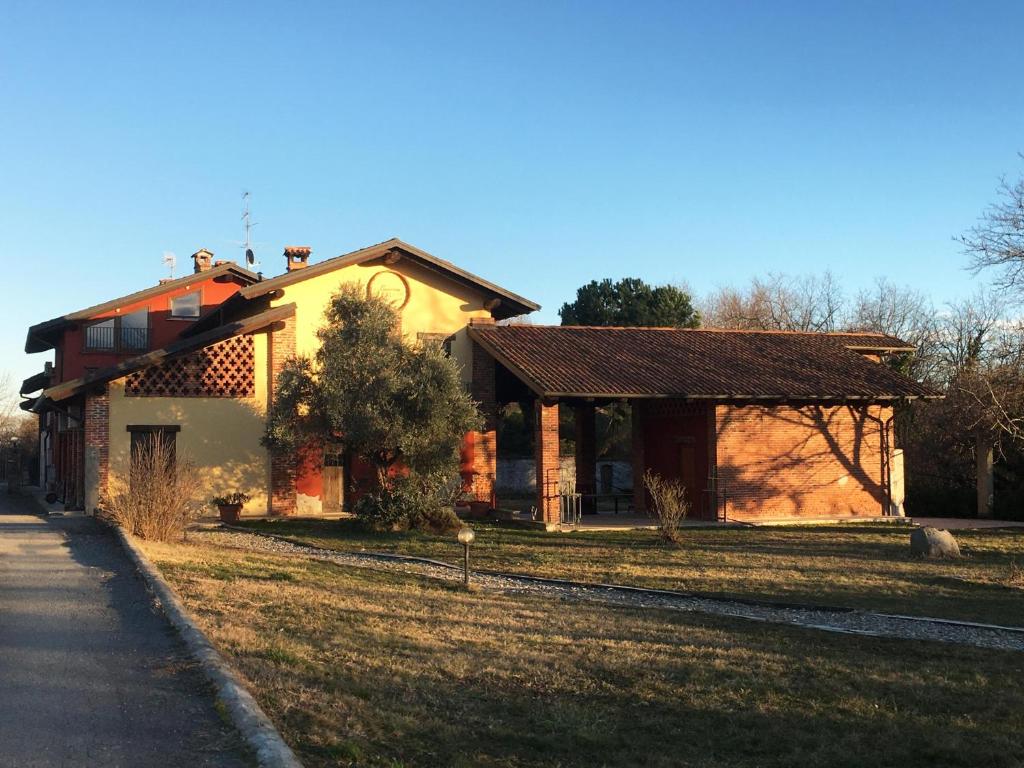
(437, 340)
(135, 331)
(127, 333)
(100, 335)
(186, 306)
(145, 437)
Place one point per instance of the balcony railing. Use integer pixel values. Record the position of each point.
(116, 338)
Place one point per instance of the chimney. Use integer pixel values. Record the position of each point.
(296, 256)
(203, 259)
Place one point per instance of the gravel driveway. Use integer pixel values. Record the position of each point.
(848, 622)
(91, 674)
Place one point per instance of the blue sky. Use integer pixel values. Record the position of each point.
(538, 144)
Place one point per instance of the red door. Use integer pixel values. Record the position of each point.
(687, 467)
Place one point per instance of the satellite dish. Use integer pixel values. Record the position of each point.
(250, 257)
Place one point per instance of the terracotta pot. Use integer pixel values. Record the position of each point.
(478, 509)
(230, 513)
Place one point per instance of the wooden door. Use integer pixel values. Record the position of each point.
(688, 475)
(333, 479)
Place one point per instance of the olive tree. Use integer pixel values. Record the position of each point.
(400, 407)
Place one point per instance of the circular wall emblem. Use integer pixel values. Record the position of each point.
(389, 286)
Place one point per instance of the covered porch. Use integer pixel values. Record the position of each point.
(572, 485)
(755, 425)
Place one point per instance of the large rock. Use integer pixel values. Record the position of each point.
(933, 542)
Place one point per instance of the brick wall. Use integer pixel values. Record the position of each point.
(483, 445)
(281, 347)
(800, 461)
(96, 429)
(547, 456)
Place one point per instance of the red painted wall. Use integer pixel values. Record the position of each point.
(360, 480)
(71, 360)
(308, 480)
(669, 428)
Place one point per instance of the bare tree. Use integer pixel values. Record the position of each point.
(971, 332)
(778, 302)
(980, 364)
(997, 240)
(904, 313)
(10, 414)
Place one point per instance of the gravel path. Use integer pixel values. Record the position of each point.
(842, 621)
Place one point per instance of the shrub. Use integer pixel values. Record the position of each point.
(412, 501)
(670, 504)
(158, 499)
(388, 508)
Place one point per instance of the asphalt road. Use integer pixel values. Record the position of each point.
(91, 674)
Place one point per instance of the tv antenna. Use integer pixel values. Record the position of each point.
(170, 261)
(250, 256)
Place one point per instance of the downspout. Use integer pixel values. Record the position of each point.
(886, 468)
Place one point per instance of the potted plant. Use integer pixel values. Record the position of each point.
(230, 506)
(478, 509)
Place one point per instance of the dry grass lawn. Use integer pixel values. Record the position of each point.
(361, 667)
(862, 566)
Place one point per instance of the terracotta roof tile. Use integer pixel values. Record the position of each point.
(703, 363)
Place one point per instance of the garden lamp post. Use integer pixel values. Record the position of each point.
(466, 537)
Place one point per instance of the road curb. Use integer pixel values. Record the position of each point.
(251, 721)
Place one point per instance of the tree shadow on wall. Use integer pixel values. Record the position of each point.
(804, 451)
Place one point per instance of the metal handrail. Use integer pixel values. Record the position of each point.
(116, 338)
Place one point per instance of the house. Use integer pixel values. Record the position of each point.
(755, 424)
(203, 383)
(100, 338)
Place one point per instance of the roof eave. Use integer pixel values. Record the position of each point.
(70, 388)
(34, 383)
(523, 376)
(881, 350)
(735, 398)
(35, 341)
(517, 303)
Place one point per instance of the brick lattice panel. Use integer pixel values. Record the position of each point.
(225, 369)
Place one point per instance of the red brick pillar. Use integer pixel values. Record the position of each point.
(483, 445)
(639, 463)
(586, 454)
(281, 343)
(548, 460)
(96, 434)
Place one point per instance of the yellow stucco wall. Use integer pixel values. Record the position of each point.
(436, 304)
(219, 435)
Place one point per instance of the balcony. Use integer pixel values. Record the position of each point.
(116, 338)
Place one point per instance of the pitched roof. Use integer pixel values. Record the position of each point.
(43, 336)
(180, 347)
(510, 304)
(567, 361)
